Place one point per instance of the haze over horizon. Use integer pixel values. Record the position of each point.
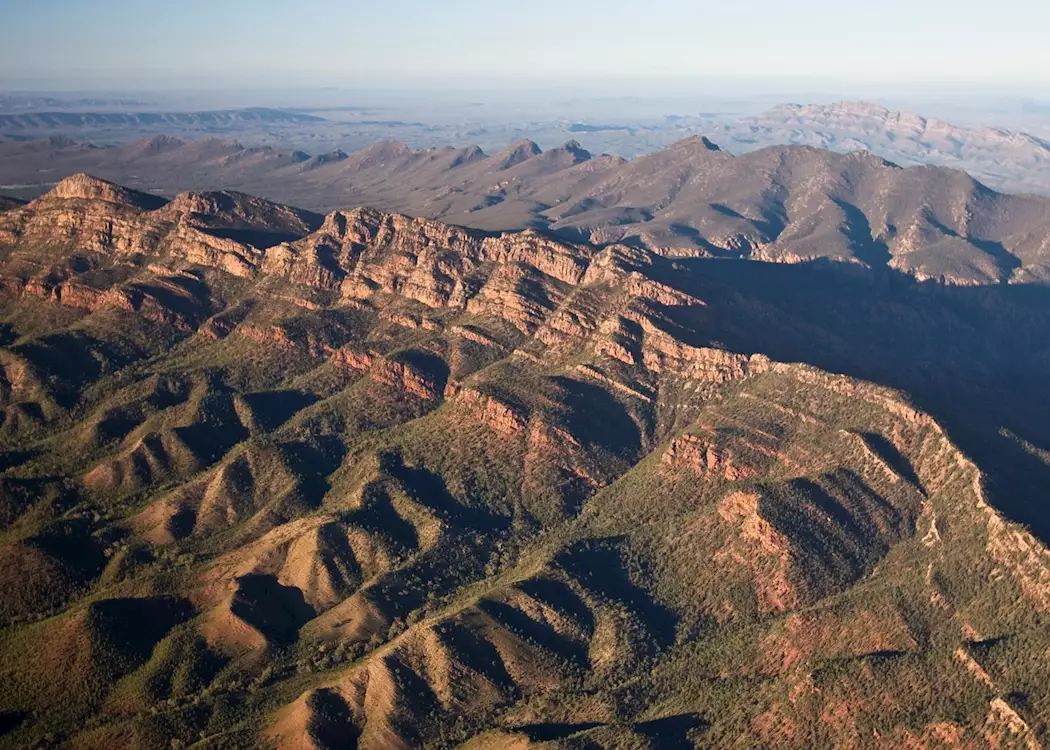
(410, 43)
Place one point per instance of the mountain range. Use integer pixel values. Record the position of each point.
(1004, 159)
(275, 478)
(783, 204)
(16, 123)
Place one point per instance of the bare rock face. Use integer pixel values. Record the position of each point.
(82, 187)
(228, 231)
(237, 211)
(706, 459)
(559, 260)
(505, 419)
(431, 263)
(407, 378)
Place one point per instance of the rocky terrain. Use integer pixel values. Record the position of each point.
(273, 478)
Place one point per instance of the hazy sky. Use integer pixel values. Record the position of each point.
(110, 42)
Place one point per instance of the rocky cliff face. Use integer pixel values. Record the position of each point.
(268, 478)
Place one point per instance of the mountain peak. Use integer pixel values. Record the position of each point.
(525, 145)
(160, 143)
(229, 209)
(700, 143)
(468, 156)
(332, 157)
(859, 107)
(85, 187)
(388, 148)
(518, 152)
(148, 147)
(574, 148)
(204, 147)
(377, 154)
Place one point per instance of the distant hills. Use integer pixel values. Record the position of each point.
(29, 122)
(1001, 158)
(14, 124)
(271, 478)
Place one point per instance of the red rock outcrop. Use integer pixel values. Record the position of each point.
(706, 458)
(502, 417)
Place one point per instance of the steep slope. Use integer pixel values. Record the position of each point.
(388, 482)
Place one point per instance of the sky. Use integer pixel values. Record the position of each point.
(85, 44)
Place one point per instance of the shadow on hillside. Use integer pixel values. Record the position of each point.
(154, 617)
(976, 358)
(598, 565)
(11, 720)
(555, 732)
(672, 732)
(73, 359)
(594, 417)
(429, 490)
(275, 610)
(885, 450)
(331, 723)
(271, 409)
(257, 239)
(535, 631)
